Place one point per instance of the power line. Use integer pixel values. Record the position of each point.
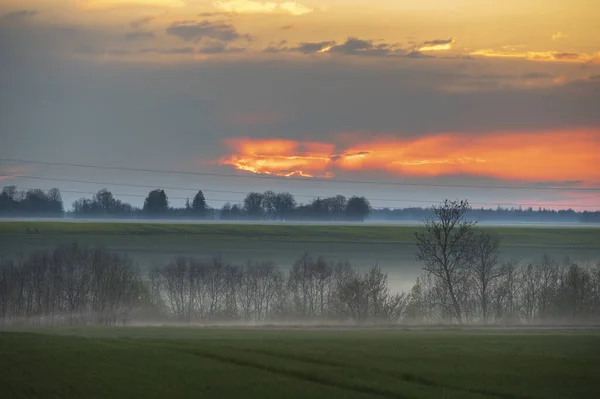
(315, 179)
(123, 184)
(133, 195)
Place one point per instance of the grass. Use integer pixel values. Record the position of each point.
(158, 362)
(512, 236)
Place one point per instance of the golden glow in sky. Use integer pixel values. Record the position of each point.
(528, 157)
(535, 31)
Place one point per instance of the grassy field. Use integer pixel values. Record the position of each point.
(391, 247)
(584, 237)
(145, 362)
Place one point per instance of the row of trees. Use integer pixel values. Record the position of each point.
(500, 214)
(191, 290)
(70, 285)
(256, 206)
(82, 285)
(465, 280)
(543, 292)
(15, 201)
(283, 206)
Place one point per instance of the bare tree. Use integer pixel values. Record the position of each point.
(73, 263)
(485, 268)
(445, 247)
(505, 294)
(301, 287)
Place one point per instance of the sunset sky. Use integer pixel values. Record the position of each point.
(404, 102)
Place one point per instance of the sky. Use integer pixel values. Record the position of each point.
(404, 102)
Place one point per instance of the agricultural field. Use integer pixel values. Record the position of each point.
(391, 247)
(184, 362)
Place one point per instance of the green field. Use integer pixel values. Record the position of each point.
(391, 247)
(160, 362)
(513, 236)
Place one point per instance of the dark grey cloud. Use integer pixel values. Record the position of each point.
(339, 156)
(193, 31)
(352, 46)
(356, 46)
(537, 75)
(311, 48)
(437, 42)
(594, 77)
(140, 35)
(275, 48)
(16, 15)
(566, 56)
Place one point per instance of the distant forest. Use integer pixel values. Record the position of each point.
(267, 206)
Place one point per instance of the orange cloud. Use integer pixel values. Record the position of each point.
(545, 56)
(550, 156)
(280, 157)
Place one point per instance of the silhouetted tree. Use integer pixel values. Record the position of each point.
(269, 205)
(156, 203)
(358, 208)
(338, 207)
(253, 205)
(103, 203)
(8, 199)
(445, 246)
(199, 207)
(485, 268)
(284, 205)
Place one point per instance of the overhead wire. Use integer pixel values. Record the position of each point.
(314, 179)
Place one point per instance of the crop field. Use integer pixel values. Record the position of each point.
(391, 247)
(185, 362)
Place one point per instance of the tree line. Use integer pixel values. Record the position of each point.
(76, 285)
(499, 214)
(255, 206)
(23, 202)
(463, 282)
